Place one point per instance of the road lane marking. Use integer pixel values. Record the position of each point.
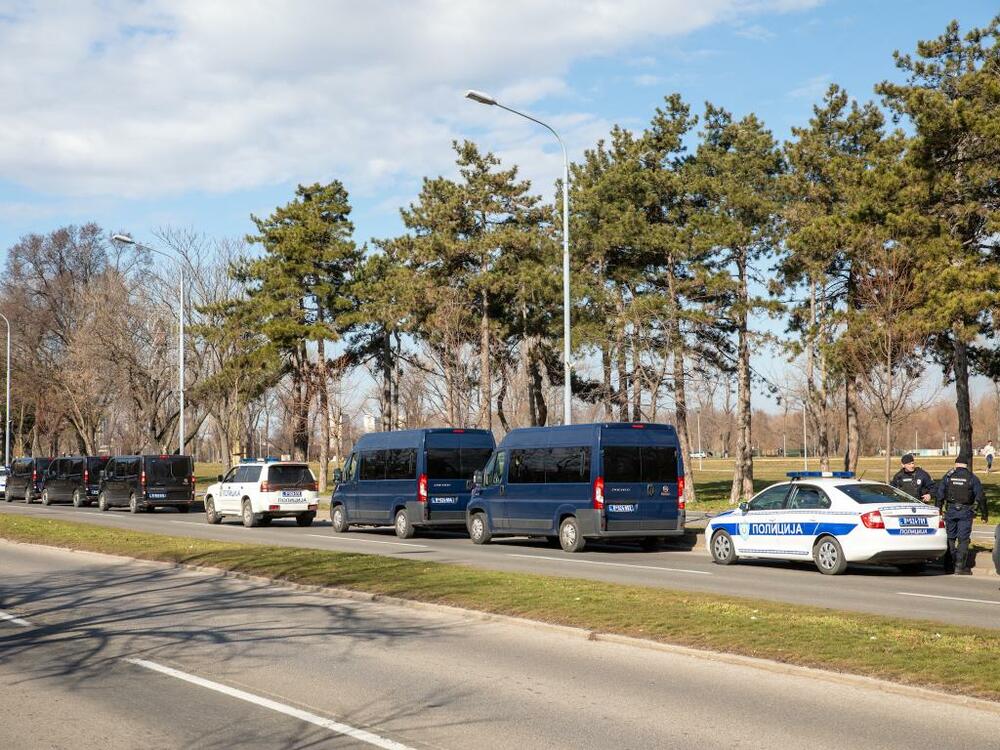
(951, 598)
(617, 565)
(366, 541)
(335, 726)
(15, 620)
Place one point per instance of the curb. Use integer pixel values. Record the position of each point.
(767, 665)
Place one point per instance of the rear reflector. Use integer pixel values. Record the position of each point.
(274, 507)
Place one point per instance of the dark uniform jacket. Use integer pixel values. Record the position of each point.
(915, 484)
(961, 487)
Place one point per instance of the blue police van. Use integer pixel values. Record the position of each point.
(579, 482)
(409, 479)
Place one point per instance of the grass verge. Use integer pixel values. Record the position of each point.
(957, 659)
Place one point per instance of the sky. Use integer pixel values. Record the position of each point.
(199, 113)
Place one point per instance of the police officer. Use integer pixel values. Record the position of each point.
(913, 480)
(957, 493)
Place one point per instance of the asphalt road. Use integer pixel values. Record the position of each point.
(969, 600)
(116, 655)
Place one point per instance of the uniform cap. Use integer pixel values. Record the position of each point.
(906, 459)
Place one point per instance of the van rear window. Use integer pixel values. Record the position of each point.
(168, 468)
(634, 463)
(456, 463)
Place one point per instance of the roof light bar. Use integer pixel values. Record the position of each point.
(817, 474)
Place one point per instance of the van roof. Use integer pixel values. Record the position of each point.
(574, 434)
(410, 438)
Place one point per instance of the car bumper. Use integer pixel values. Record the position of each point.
(873, 545)
(436, 518)
(590, 526)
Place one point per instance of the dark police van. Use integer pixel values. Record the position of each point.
(145, 482)
(26, 478)
(577, 482)
(73, 479)
(409, 479)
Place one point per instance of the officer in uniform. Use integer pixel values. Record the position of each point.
(957, 494)
(913, 480)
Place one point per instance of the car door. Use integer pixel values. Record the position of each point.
(229, 492)
(346, 490)
(74, 478)
(54, 477)
(802, 515)
(525, 504)
(757, 528)
(371, 477)
(493, 489)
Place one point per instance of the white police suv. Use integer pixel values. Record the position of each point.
(832, 518)
(260, 490)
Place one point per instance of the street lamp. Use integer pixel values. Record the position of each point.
(6, 410)
(127, 240)
(481, 98)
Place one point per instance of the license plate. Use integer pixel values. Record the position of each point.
(622, 508)
(157, 495)
(449, 500)
(912, 521)
(291, 493)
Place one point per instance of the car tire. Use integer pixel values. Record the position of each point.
(829, 556)
(133, 504)
(338, 519)
(45, 498)
(722, 548)
(102, 502)
(249, 519)
(77, 499)
(570, 537)
(404, 529)
(305, 519)
(479, 529)
(651, 543)
(210, 515)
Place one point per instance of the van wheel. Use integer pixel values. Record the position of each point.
(77, 499)
(829, 556)
(338, 519)
(133, 504)
(210, 515)
(305, 519)
(249, 519)
(570, 538)
(404, 529)
(650, 543)
(723, 550)
(102, 502)
(45, 497)
(479, 529)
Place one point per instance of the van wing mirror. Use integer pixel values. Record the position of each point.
(338, 475)
(477, 478)
(744, 507)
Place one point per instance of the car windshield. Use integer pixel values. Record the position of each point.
(289, 475)
(872, 493)
(169, 468)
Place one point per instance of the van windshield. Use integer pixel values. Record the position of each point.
(289, 475)
(169, 468)
(640, 463)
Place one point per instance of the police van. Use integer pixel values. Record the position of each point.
(571, 483)
(259, 490)
(833, 519)
(409, 479)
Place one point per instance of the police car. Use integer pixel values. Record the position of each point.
(833, 519)
(260, 490)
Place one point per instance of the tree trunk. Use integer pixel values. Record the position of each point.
(501, 394)
(636, 378)
(324, 412)
(386, 367)
(853, 447)
(622, 382)
(607, 393)
(485, 369)
(742, 488)
(960, 367)
(680, 391)
(888, 449)
(300, 408)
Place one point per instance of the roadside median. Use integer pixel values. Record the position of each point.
(925, 654)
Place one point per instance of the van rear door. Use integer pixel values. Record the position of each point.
(451, 459)
(168, 478)
(639, 464)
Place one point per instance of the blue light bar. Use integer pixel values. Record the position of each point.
(817, 474)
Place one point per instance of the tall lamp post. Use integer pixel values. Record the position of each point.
(6, 409)
(127, 240)
(478, 96)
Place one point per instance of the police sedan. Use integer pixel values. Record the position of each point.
(832, 518)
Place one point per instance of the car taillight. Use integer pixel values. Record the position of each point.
(274, 507)
(599, 493)
(264, 486)
(312, 487)
(873, 520)
(142, 479)
(422, 489)
(940, 522)
(86, 476)
(680, 493)
(34, 476)
(191, 479)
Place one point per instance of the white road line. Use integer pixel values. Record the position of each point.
(365, 541)
(15, 620)
(617, 565)
(951, 598)
(296, 713)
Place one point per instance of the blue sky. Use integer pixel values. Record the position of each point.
(139, 115)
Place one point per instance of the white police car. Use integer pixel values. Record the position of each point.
(260, 490)
(833, 519)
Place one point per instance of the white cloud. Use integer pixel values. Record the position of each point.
(125, 99)
(756, 32)
(814, 88)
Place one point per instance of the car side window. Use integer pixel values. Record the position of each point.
(773, 498)
(230, 475)
(808, 498)
(251, 473)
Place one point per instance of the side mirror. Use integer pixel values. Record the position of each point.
(744, 507)
(218, 478)
(477, 478)
(338, 475)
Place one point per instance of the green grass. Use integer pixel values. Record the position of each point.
(956, 659)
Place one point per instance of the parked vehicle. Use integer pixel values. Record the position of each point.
(577, 482)
(409, 479)
(260, 490)
(143, 483)
(25, 479)
(73, 479)
(3, 481)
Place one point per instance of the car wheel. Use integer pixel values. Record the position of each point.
(650, 543)
(829, 556)
(210, 515)
(102, 502)
(479, 529)
(404, 529)
(338, 519)
(723, 549)
(133, 504)
(570, 538)
(45, 497)
(305, 519)
(249, 519)
(77, 499)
